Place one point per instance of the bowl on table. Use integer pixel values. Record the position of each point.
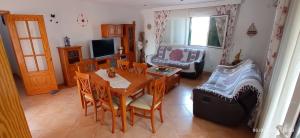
(162, 68)
(111, 72)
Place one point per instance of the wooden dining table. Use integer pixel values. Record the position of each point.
(138, 81)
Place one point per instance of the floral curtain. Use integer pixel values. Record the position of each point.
(160, 20)
(276, 36)
(231, 11)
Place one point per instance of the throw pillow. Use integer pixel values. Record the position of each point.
(176, 55)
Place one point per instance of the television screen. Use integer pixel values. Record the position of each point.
(102, 48)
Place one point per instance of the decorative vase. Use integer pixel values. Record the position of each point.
(67, 41)
(111, 72)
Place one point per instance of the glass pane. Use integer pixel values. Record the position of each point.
(38, 46)
(34, 28)
(42, 62)
(22, 29)
(199, 31)
(26, 47)
(30, 64)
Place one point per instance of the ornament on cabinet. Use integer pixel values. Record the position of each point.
(67, 41)
(82, 20)
(252, 31)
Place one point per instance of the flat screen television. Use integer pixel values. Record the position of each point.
(101, 48)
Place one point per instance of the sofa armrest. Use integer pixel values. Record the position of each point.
(148, 59)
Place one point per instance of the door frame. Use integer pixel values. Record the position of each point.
(12, 115)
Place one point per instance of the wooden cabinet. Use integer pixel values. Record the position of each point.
(111, 30)
(128, 41)
(127, 34)
(69, 56)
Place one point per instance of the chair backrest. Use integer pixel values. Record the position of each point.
(86, 66)
(140, 68)
(158, 90)
(123, 65)
(83, 84)
(102, 89)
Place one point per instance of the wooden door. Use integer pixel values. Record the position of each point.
(12, 119)
(30, 42)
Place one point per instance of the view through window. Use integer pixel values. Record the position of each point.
(199, 31)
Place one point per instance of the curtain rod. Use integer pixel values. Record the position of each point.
(196, 5)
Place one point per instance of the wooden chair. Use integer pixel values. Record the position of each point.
(86, 92)
(139, 68)
(123, 65)
(149, 103)
(97, 93)
(86, 66)
(105, 99)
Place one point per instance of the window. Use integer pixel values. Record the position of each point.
(196, 31)
(199, 31)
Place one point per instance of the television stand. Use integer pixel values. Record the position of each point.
(110, 61)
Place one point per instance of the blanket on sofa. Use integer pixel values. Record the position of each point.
(177, 57)
(230, 82)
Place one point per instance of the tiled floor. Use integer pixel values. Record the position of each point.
(60, 115)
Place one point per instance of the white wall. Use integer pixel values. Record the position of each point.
(9, 48)
(260, 12)
(67, 12)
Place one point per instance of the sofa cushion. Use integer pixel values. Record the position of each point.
(170, 50)
(164, 62)
(161, 52)
(194, 55)
(176, 55)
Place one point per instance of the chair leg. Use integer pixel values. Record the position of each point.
(152, 121)
(81, 100)
(131, 116)
(85, 108)
(113, 122)
(95, 109)
(161, 114)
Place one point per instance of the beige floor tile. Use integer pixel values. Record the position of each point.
(61, 115)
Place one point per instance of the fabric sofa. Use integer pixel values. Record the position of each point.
(231, 95)
(188, 58)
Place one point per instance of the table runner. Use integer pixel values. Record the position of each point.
(116, 82)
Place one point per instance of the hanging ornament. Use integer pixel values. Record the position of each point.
(252, 31)
(82, 20)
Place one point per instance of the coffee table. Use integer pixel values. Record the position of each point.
(171, 74)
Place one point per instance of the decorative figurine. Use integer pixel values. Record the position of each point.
(67, 41)
(237, 57)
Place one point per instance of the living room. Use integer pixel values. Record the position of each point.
(211, 68)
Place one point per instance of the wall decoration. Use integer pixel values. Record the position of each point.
(149, 26)
(82, 20)
(53, 18)
(275, 3)
(252, 31)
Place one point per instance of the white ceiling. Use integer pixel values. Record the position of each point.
(152, 3)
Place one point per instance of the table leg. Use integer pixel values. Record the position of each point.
(123, 111)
